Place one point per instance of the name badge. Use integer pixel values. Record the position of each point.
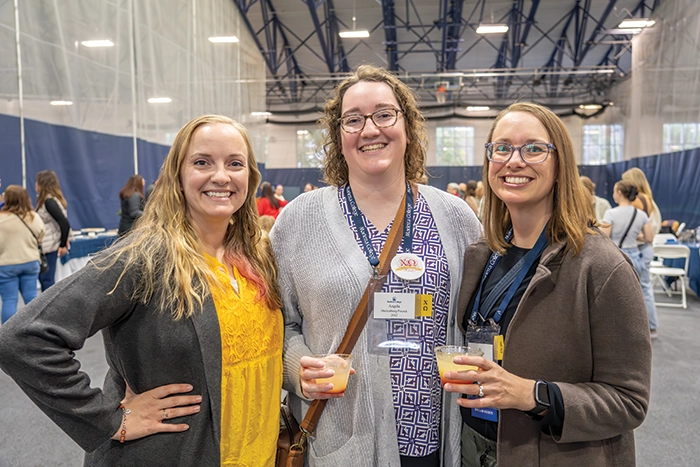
(394, 305)
(486, 348)
(407, 266)
(486, 413)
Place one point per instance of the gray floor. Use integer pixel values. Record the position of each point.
(668, 437)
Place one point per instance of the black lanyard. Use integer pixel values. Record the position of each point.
(525, 265)
(363, 232)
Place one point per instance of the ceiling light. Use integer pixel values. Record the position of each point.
(98, 43)
(302, 132)
(61, 103)
(159, 100)
(492, 28)
(590, 106)
(261, 114)
(478, 108)
(636, 23)
(605, 70)
(223, 39)
(356, 34)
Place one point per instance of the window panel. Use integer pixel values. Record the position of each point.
(602, 144)
(309, 149)
(455, 146)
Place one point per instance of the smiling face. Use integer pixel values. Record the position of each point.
(521, 186)
(373, 152)
(214, 175)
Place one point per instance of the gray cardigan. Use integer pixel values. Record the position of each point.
(582, 324)
(142, 346)
(322, 275)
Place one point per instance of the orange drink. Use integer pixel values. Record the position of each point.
(340, 364)
(446, 353)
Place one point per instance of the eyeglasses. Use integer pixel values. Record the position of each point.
(384, 118)
(533, 153)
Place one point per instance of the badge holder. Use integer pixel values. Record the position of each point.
(486, 338)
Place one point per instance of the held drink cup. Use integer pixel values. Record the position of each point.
(340, 364)
(446, 353)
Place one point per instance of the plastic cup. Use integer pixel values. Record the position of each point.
(340, 364)
(446, 353)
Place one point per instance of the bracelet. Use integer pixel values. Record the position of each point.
(125, 412)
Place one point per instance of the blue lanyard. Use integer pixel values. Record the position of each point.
(363, 232)
(529, 260)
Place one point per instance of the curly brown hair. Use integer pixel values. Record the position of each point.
(335, 168)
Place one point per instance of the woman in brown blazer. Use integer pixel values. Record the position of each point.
(557, 309)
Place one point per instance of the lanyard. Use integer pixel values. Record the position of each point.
(363, 232)
(525, 265)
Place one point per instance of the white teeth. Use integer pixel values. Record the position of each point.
(517, 180)
(218, 194)
(372, 147)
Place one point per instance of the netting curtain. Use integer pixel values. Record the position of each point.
(161, 49)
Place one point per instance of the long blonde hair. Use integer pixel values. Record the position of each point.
(335, 168)
(164, 246)
(636, 176)
(572, 216)
(47, 180)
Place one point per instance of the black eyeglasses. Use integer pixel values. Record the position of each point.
(533, 153)
(384, 118)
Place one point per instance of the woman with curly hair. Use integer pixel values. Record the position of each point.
(393, 411)
(189, 310)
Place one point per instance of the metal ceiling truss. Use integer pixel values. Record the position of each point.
(563, 74)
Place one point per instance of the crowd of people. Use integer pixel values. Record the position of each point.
(215, 298)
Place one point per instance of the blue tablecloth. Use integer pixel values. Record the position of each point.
(693, 267)
(86, 246)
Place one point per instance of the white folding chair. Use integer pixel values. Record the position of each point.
(659, 273)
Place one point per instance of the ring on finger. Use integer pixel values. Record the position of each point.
(164, 414)
(481, 391)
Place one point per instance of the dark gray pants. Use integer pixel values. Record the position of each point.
(477, 451)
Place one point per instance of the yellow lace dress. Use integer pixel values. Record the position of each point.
(251, 377)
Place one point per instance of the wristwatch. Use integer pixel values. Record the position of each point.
(541, 398)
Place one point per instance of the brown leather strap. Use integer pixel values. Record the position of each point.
(359, 318)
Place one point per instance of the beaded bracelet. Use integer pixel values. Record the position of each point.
(125, 412)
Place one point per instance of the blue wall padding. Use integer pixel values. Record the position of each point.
(93, 167)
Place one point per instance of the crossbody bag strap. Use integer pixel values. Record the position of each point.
(30, 230)
(359, 318)
(634, 215)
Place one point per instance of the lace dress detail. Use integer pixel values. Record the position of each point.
(251, 374)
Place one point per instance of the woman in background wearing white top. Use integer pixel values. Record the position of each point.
(615, 222)
(52, 208)
(19, 249)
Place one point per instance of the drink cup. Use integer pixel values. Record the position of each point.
(340, 364)
(446, 353)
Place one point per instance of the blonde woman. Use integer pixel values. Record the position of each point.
(52, 207)
(645, 202)
(20, 230)
(190, 314)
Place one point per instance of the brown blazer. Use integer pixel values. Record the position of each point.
(581, 324)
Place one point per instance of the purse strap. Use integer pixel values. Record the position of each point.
(629, 226)
(359, 318)
(30, 230)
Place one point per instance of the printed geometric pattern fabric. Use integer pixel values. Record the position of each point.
(414, 374)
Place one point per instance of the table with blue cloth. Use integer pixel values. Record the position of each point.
(81, 250)
(693, 266)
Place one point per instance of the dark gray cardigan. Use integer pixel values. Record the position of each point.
(144, 347)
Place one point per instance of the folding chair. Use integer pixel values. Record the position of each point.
(660, 273)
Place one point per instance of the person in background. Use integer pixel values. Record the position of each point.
(393, 411)
(470, 196)
(266, 222)
(616, 221)
(453, 188)
(279, 190)
(572, 381)
(149, 189)
(20, 227)
(133, 202)
(600, 205)
(310, 187)
(645, 202)
(268, 204)
(189, 309)
(52, 207)
(479, 193)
